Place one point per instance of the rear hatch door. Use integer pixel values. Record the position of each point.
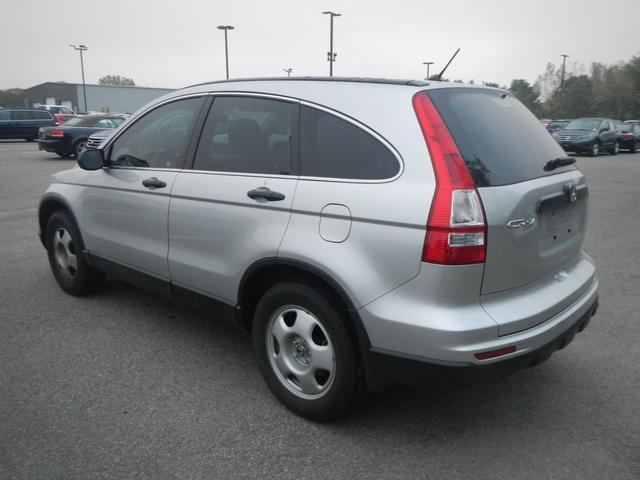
(535, 211)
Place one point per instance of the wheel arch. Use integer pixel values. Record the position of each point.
(265, 273)
(49, 205)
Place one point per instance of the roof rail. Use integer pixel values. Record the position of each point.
(388, 81)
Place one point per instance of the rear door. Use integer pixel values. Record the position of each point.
(7, 127)
(535, 213)
(233, 208)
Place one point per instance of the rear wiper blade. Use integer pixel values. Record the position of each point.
(559, 162)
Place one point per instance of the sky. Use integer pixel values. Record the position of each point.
(172, 44)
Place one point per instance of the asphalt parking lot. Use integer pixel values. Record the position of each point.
(126, 385)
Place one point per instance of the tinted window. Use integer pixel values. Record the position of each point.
(500, 140)
(159, 139)
(247, 134)
(4, 115)
(584, 124)
(22, 115)
(43, 115)
(333, 147)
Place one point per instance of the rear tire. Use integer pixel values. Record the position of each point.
(68, 264)
(305, 352)
(634, 147)
(79, 147)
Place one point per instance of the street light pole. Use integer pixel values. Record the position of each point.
(428, 64)
(564, 59)
(331, 57)
(226, 48)
(82, 48)
(288, 70)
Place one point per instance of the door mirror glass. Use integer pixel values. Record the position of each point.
(91, 160)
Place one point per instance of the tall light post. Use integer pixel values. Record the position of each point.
(428, 64)
(82, 48)
(226, 48)
(288, 70)
(331, 57)
(564, 60)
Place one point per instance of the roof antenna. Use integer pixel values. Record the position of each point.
(439, 76)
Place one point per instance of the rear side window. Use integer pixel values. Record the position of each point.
(501, 141)
(43, 115)
(248, 135)
(22, 115)
(333, 147)
(4, 115)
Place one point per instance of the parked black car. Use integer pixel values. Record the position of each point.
(71, 137)
(556, 125)
(22, 123)
(629, 136)
(589, 135)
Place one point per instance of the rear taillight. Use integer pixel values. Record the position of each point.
(456, 228)
(56, 133)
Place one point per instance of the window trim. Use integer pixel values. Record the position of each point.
(368, 130)
(190, 150)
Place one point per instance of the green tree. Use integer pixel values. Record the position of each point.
(577, 98)
(526, 93)
(116, 80)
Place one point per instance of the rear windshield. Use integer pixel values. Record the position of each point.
(501, 141)
(94, 121)
(625, 127)
(584, 124)
(557, 124)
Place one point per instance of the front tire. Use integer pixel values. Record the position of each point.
(595, 149)
(305, 352)
(615, 149)
(68, 265)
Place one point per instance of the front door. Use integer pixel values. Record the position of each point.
(126, 205)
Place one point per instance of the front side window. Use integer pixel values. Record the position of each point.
(4, 115)
(333, 147)
(248, 135)
(159, 139)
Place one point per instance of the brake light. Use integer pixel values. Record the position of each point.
(456, 228)
(56, 133)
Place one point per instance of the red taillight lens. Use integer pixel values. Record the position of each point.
(456, 228)
(56, 133)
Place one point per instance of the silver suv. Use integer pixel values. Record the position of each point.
(364, 231)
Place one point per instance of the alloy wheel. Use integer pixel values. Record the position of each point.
(300, 352)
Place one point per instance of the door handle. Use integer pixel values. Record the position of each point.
(153, 183)
(265, 193)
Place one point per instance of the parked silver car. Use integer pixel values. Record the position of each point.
(365, 231)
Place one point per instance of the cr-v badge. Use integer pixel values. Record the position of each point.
(521, 222)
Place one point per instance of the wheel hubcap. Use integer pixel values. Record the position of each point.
(300, 352)
(596, 148)
(64, 253)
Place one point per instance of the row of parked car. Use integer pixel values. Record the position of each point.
(57, 128)
(595, 135)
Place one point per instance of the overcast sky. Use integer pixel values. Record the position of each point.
(170, 43)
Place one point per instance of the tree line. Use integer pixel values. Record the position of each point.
(605, 91)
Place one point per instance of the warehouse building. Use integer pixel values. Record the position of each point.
(100, 98)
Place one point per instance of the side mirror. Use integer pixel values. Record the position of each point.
(91, 159)
(605, 129)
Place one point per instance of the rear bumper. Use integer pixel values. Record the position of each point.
(393, 368)
(55, 146)
(435, 320)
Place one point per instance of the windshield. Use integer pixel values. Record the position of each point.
(99, 121)
(583, 124)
